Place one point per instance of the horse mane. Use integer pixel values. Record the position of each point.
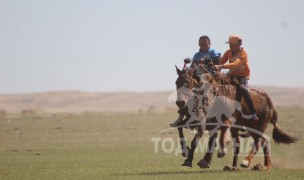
(224, 79)
(214, 77)
(190, 73)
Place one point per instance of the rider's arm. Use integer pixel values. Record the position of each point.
(215, 57)
(224, 59)
(237, 63)
(216, 60)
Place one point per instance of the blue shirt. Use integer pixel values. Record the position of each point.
(210, 53)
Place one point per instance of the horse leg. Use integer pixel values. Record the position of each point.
(236, 146)
(206, 161)
(183, 143)
(223, 142)
(266, 149)
(194, 143)
(255, 148)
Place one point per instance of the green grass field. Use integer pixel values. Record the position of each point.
(119, 146)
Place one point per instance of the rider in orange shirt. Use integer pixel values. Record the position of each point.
(238, 67)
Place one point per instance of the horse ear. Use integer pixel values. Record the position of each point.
(179, 72)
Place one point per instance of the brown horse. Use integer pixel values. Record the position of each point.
(262, 103)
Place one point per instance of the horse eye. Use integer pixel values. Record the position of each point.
(185, 85)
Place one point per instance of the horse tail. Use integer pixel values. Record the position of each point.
(278, 135)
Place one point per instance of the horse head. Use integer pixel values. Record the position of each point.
(198, 77)
(184, 85)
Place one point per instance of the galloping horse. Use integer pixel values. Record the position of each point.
(221, 86)
(185, 83)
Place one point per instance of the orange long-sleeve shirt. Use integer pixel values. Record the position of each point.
(238, 64)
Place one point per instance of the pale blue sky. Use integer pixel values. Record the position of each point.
(133, 45)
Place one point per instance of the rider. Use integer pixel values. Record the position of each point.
(239, 68)
(205, 52)
(205, 55)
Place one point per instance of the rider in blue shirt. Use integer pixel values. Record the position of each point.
(205, 56)
(205, 52)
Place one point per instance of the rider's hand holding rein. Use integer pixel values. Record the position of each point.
(219, 67)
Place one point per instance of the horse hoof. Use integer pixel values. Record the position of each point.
(222, 154)
(174, 124)
(187, 164)
(245, 163)
(229, 168)
(235, 169)
(203, 164)
(258, 167)
(185, 152)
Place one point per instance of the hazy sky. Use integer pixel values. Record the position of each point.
(133, 45)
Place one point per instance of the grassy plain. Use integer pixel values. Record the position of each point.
(120, 146)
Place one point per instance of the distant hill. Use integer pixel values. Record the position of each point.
(74, 101)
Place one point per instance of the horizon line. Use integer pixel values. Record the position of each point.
(129, 91)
